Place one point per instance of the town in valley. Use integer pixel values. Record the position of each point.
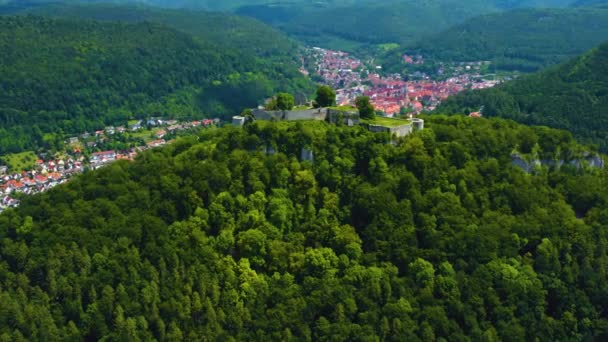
(394, 94)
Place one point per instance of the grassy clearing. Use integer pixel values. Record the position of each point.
(388, 47)
(388, 122)
(17, 162)
(146, 135)
(344, 108)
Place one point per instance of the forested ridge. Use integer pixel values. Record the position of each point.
(580, 3)
(69, 76)
(212, 5)
(234, 4)
(223, 29)
(365, 22)
(230, 236)
(524, 40)
(360, 25)
(572, 96)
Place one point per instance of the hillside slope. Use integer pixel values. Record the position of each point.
(361, 22)
(403, 22)
(523, 40)
(71, 75)
(580, 3)
(233, 4)
(277, 56)
(436, 237)
(219, 28)
(571, 96)
(381, 22)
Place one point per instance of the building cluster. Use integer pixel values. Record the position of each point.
(337, 68)
(387, 94)
(91, 140)
(391, 94)
(48, 174)
(417, 59)
(425, 95)
(45, 176)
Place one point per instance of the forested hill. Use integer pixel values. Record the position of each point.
(234, 4)
(571, 96)
(352, 25)
(379, 22)
(361, 22)
(581, 3)
(435, 237)
(276, 55)
(523, 40)
(213, 5)
(249, 35)
(60, 75)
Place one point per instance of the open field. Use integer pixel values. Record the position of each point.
(20, 161)
(389, 122)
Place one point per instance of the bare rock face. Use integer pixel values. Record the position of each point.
(588, 160)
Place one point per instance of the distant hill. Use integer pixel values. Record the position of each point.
(275, 54)
(67, 75)
(225, 29)
(215, 5)
(377, 22)
(524, 40)
(381, 22)
(229, 5)
(348, 24)
(571, 96)
(581, 3)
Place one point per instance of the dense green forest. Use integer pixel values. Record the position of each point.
(234, 4)
(231, 31)
(68, 76)
(214, 5)
(581, 3)
(356, 25)
(370, 23)
(520, 40)
(230, 236)
(363, 24)
(572, 96)
(277, 57)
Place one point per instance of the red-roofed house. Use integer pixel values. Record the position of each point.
(40, 179)
(156, 143)
(54, 176)
(28, 181)
(14, 184)
(103, 157)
